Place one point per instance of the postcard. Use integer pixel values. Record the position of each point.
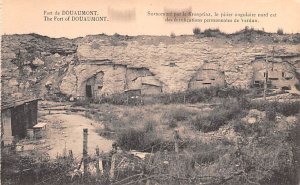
(150, 92)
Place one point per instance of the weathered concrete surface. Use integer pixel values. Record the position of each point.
(46, 66)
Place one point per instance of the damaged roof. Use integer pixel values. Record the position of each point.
(6, 104)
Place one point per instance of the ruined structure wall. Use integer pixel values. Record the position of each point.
(189, 54)
(6, 127)
(65, 67)
(150, 89)
(113, 78)
(133, 77)
(207, 78)
(280, 74)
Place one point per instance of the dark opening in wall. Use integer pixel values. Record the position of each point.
(94, 85)
(285, 88)
(88, 91)
(208, 75)
(279, 75)
(172, 64)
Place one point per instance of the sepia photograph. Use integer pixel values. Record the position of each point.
(200, 92)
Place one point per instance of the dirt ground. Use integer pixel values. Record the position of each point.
(65, 132)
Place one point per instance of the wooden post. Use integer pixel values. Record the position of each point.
(266, 79)
(273, 57)
(71, 154)
(97, 162)
(112, 167)
(65, 150)
(176, 137)
(85, 153)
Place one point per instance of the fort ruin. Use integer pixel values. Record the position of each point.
(100, 65)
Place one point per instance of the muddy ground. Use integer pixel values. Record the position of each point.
(65, 132)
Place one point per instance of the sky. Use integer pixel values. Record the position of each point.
(131, 17)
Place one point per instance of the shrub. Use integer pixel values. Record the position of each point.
(260, 129)
(271, 113)
(149, 125)
(285, 108)
(172, 35)
(205, 152)
(208, 33)
(201, 95)
(120, 99)
(216, 118)
(34, 169)
(211, 32)
(179, 114)
(130, 138)
(134, 139)
(82, 102)
(117, 35)
(106, 132)
(196, 31)
(172, 124)
(262, 31)
(189, 96)
(280, 31)
(173, 116)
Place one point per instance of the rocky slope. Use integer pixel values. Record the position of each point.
(37, 65)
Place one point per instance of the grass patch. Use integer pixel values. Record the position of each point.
(218, 117)
(137, 139)
(172, 116)
(284, 108)
(189, 96)
(82, 103)
(258, 129)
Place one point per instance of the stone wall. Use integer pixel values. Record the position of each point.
(43, 65)
(280, 73)
(188, 53)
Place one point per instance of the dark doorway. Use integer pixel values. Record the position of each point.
(88, 91)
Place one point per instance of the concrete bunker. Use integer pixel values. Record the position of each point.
(280, 75)
(94, 85)
(107, 79)
(143, 81)
(150, 85)
(207, 76)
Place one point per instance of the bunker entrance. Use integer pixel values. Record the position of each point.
(88, 91)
